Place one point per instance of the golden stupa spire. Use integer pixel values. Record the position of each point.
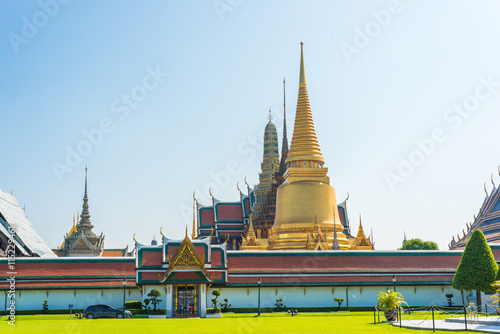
(304, 149)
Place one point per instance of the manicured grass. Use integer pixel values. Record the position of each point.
(345, 323)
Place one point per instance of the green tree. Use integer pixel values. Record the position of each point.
(338, 301)
(154, 294)
(418, 244)
(45, 307)
(225, 306)
(477, 269)
(215, 302)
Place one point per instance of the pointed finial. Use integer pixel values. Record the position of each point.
(73, 219)
(85, 178)
(270, 117)
(186, 230)
(486, 191)
(210, 192)
(193, 235)
(161, 232)
(302, 68)
(492, 181)
(238, 187)
(133, 237)
(360, 226)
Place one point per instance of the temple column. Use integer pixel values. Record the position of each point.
(169, 300)
(203, 300)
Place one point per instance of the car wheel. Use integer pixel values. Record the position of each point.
(90, 316)
(119, 316)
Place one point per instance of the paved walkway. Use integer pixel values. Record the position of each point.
(483, 324)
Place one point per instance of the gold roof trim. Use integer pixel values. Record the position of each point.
(186, 257)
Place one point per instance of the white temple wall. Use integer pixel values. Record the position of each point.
(239, 297)
(60, 299)
(242, 297)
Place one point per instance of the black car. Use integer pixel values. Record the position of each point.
(104, 311)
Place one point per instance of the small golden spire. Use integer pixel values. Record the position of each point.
(270, 117)
(361, 233)
(186, 230)
(251, 232)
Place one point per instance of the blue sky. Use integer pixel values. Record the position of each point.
(174, 97)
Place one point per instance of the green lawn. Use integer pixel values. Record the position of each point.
(355, 323)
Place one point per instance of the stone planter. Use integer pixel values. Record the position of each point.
(217, 315)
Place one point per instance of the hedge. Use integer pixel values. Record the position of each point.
(35, 312)
(300, 309)
(133, 304)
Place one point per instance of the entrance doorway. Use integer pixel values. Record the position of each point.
(186, 300)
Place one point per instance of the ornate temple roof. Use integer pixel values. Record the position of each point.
(487, 220)
(28, 241)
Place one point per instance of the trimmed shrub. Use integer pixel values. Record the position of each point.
(213, 310)
(160, 311)
(133, 304)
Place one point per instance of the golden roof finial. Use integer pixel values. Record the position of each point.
(304, 146)
(161, 232)
(186, 230)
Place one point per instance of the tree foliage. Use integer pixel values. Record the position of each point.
(477, 269)
(418, 244)
(339, 301)
(154, 294)
(215, 303)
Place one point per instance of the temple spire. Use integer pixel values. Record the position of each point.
(85, 215)
(193, 235)
(284, 145)
(304, 149)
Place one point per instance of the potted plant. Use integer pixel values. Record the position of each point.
(389, 302)
(496, 285)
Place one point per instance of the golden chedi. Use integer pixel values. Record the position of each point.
(305, 199)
